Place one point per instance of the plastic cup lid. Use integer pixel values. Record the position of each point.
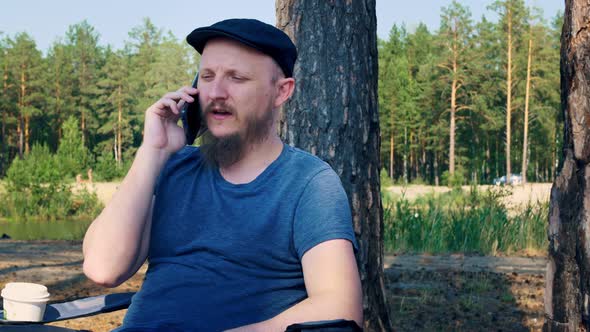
(25, 291)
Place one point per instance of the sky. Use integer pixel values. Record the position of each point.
(47, 20)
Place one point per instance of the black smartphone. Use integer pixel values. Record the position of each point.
(190, 114)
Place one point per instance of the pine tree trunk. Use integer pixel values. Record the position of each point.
(453, 109)
(508, 93)
(82, 108)
(21, 138)
(392, 143)
(334, 115)
(488, 159)
(58, 104)
(27, 133)
(5, 139)
(525, 145)
(405, 155)
(567, 294)
(119, 126)
(391, 155)
(21, 106)
(435, 166)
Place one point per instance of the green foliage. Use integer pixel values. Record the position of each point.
(108, 90)
(107, 169)
(72, 154)
(35, 189)
(455, 180)
(385, 179)
(475, 222)
(416, 72)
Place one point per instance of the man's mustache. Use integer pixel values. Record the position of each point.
(218, 107)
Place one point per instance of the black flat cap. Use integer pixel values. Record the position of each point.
(258, 35)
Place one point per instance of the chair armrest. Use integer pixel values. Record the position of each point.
(338, 325)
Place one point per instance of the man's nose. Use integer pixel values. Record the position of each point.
(217, 89)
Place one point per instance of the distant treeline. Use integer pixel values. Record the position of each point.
(107, 91)
(453, 102)
(431, 84)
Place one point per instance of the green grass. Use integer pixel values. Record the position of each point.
(457, 221)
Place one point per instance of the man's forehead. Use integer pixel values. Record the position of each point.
(234, 54)
(229, 46)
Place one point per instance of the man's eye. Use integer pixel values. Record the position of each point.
(238, 78)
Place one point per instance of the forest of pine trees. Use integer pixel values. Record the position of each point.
(452, 102)
(106, 90)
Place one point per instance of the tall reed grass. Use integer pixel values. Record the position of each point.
(457, 221)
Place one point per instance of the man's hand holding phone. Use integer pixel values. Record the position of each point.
(161, 130)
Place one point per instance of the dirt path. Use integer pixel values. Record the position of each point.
(519, 265)
(530, 192)
(519, 195)
(425, 293)
(58, 265)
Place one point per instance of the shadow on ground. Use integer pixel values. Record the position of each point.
(455, 300)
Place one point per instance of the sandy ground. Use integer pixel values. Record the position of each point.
(58, 265)
(519, 195)
(104, 190)
(425, 293)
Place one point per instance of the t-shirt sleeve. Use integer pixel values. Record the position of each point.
(322, 214)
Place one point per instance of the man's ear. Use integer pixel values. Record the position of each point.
(285, 88)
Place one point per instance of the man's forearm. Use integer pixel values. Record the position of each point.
(320, 307)
(113, 242)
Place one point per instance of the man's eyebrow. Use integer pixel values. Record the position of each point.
(239, 72)
(229, 71)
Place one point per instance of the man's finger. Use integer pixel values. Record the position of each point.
(178, 95)
(189, 90)
(168, 104)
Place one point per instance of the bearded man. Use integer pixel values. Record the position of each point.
(243, 232)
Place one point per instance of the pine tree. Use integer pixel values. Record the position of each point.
(72, 155)
(60, 69)
(513, 15)
(25, 66)
(392, 58)
(344, 117)
(455, 33)
(115, 103)
(7, 108)
(82, 41)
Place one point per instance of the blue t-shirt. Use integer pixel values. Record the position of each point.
(223, 255)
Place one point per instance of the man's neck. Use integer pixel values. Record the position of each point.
(255, 160)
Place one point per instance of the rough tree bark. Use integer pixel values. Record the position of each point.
(568, 273)
(334, 115)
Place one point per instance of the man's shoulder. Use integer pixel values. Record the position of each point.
(188, 155)
(303, 160)
(187, 152)
(306, 166)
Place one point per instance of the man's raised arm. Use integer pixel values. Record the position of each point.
(116, 243)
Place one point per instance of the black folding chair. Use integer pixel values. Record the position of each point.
(94, 305)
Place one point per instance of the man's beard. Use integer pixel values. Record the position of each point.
(227, 150)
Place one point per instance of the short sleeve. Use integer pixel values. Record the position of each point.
(322, 214)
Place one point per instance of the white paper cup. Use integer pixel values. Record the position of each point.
(23, 301)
